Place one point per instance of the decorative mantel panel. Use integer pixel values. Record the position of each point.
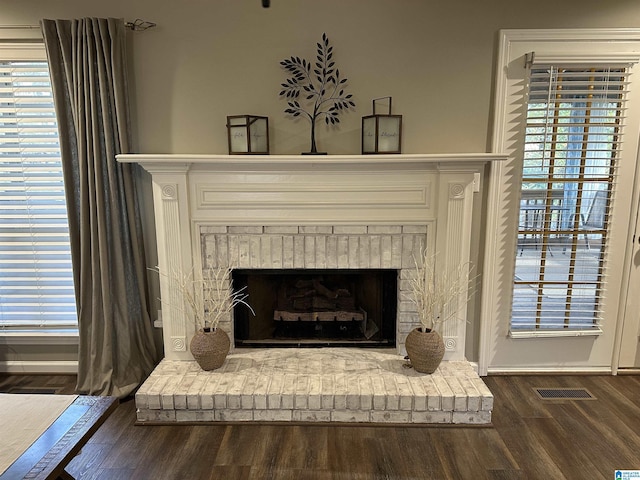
(297, 211)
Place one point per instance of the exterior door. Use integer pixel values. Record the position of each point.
(558, 243)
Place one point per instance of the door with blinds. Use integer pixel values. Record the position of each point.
(570, 128)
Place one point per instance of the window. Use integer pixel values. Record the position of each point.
(36, 284)
(573, 136)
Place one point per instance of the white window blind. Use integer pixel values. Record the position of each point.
(574, 127)
(36, 281)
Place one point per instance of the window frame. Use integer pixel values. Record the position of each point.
(27, 44)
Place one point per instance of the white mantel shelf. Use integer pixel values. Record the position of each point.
(148, 160)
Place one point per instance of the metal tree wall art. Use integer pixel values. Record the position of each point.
(321, 86)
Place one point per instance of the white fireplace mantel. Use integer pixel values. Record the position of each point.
(420, 197)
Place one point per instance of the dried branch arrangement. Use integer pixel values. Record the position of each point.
(437, 293)
(207, 299)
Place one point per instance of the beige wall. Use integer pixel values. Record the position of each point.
(208, 59)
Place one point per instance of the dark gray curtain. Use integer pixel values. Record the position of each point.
(87, 60)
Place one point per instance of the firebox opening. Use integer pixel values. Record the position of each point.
(317, 308)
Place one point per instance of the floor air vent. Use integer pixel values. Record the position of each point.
(564, 394)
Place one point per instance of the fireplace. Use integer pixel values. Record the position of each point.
(265, 216)
(316, 307)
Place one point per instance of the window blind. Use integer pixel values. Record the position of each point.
(36, 283)
(573, 138)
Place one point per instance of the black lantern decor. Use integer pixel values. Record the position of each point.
(248, 134)
(381, 132)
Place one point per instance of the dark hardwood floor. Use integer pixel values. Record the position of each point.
(530, 438)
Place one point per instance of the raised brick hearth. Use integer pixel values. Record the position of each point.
(314, 385)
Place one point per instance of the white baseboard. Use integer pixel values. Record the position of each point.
(69, 367)
(554, 370)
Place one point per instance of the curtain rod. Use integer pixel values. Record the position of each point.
(138, 25)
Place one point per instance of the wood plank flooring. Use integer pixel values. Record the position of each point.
(530, 438)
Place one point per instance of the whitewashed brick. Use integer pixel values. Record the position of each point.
(321, 252)
(287, 251)
(433, 394)
(419, 393)
(309, 251)
(327, 396)
(473, 396)
(379, 393)
(288, 391)
(460, 396)
(298, 252)
(431, 417)
(255, 246)
(366, 392)
(317, 229)
(352, 393)
(354, 249)
(384, 229)
(195, 416)
(234, 252)
(332, 252)
(227, 415)
(245, 230)
(276, 251)
(391, 389)
(311, 416)
(375, 248)
(274, 391)
(353, 416)
(180, 393)
(301, 399)
(396, 252)
(234, 394)
(193, 393)
(222, 251)
(350, 229)
(281, 229)
(272, 415)
(446, 395)
(386, 260)
(243, 251)
(154, 399)
(388, 416)
(405, 393)
(481, 417)
(248, 392)
(411, 229)
(364, 252)
(265, 251)
(315, 391)
(316, 382)
(340, 389)
(156, 415)
(209, 230)
(343, 251)
(487, 397)
(142, 400)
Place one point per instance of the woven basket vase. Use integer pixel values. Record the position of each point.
(425, 350)
(210, 348)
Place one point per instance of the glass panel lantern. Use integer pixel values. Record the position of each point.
(248, 134)
(381, 132)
